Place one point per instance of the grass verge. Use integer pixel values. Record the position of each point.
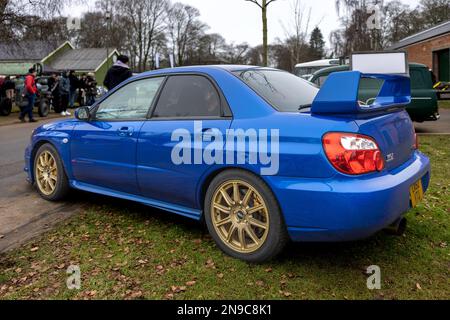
(127, 251)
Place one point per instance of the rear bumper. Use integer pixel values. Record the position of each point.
(347, 208)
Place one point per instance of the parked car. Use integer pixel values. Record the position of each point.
(424, 102)
(42, 103)
(301, 164)
(306, 69)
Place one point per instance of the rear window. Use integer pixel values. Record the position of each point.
(283, 90)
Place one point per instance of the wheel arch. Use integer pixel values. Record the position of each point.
(213, 174)
(34, 151)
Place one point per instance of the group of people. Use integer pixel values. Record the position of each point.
(66, 88)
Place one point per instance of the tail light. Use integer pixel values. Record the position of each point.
(353, 153)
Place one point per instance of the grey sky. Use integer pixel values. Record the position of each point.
(240, 21)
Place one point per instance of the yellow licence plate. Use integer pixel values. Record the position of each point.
(416, 193)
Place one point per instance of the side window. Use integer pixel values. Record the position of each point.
(188, 96)
(130, 102)
(321, 80)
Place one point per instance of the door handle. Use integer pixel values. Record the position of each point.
(125, 131)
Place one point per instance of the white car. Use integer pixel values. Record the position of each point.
(306, 70)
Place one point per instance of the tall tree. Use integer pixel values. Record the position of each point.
(317, 44)
(145, 25)
(434, 11)
(263, 6)
(17, 16)
(184, 29)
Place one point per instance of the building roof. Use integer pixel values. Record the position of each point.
(433, 32)
(27, 50)
(82, 59)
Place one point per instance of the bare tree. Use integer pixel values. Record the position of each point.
(184, 29)
(145, 25)
(296, 32)
(16, 16)
(263, 6)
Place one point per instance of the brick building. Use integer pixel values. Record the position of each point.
(430, 47)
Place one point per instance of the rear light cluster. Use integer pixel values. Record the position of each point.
(353, 153)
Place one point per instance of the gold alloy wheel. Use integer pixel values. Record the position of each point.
(46, 173)
(240, 216)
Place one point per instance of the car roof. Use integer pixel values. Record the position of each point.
(204, 69)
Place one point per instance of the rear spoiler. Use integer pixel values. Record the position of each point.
(339, 94)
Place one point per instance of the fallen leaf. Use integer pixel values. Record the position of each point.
(268, 270)
(177, 289)
(285, 293)
(210, 264)
(136, 294)
(220, 275)
(169, 296)
(190, 283)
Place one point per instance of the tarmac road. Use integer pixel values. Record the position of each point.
(23, 214)
(441, 126)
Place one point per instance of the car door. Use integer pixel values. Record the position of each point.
(103, 150)
(189, 104)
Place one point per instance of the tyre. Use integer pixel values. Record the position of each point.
(243, 217)
(43, 108)
(5, 107)
(49, 175)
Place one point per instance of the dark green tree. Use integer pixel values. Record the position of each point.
(317, 44)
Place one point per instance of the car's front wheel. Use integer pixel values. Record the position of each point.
(243, 217)
(49, 175)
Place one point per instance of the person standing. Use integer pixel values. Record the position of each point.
(53, 87)
(118, 73)
(64, 91)
(82, 90)
(91, 89)
(30, 92)
(74, 84)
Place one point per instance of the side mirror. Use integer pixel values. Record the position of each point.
(83, 114)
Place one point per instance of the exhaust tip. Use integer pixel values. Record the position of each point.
(398, 228)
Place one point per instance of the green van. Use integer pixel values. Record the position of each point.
(424, 102)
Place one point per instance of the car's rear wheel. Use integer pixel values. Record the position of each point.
(49, 175)
(243, 217)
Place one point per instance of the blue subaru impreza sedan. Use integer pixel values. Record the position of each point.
(259, 154)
